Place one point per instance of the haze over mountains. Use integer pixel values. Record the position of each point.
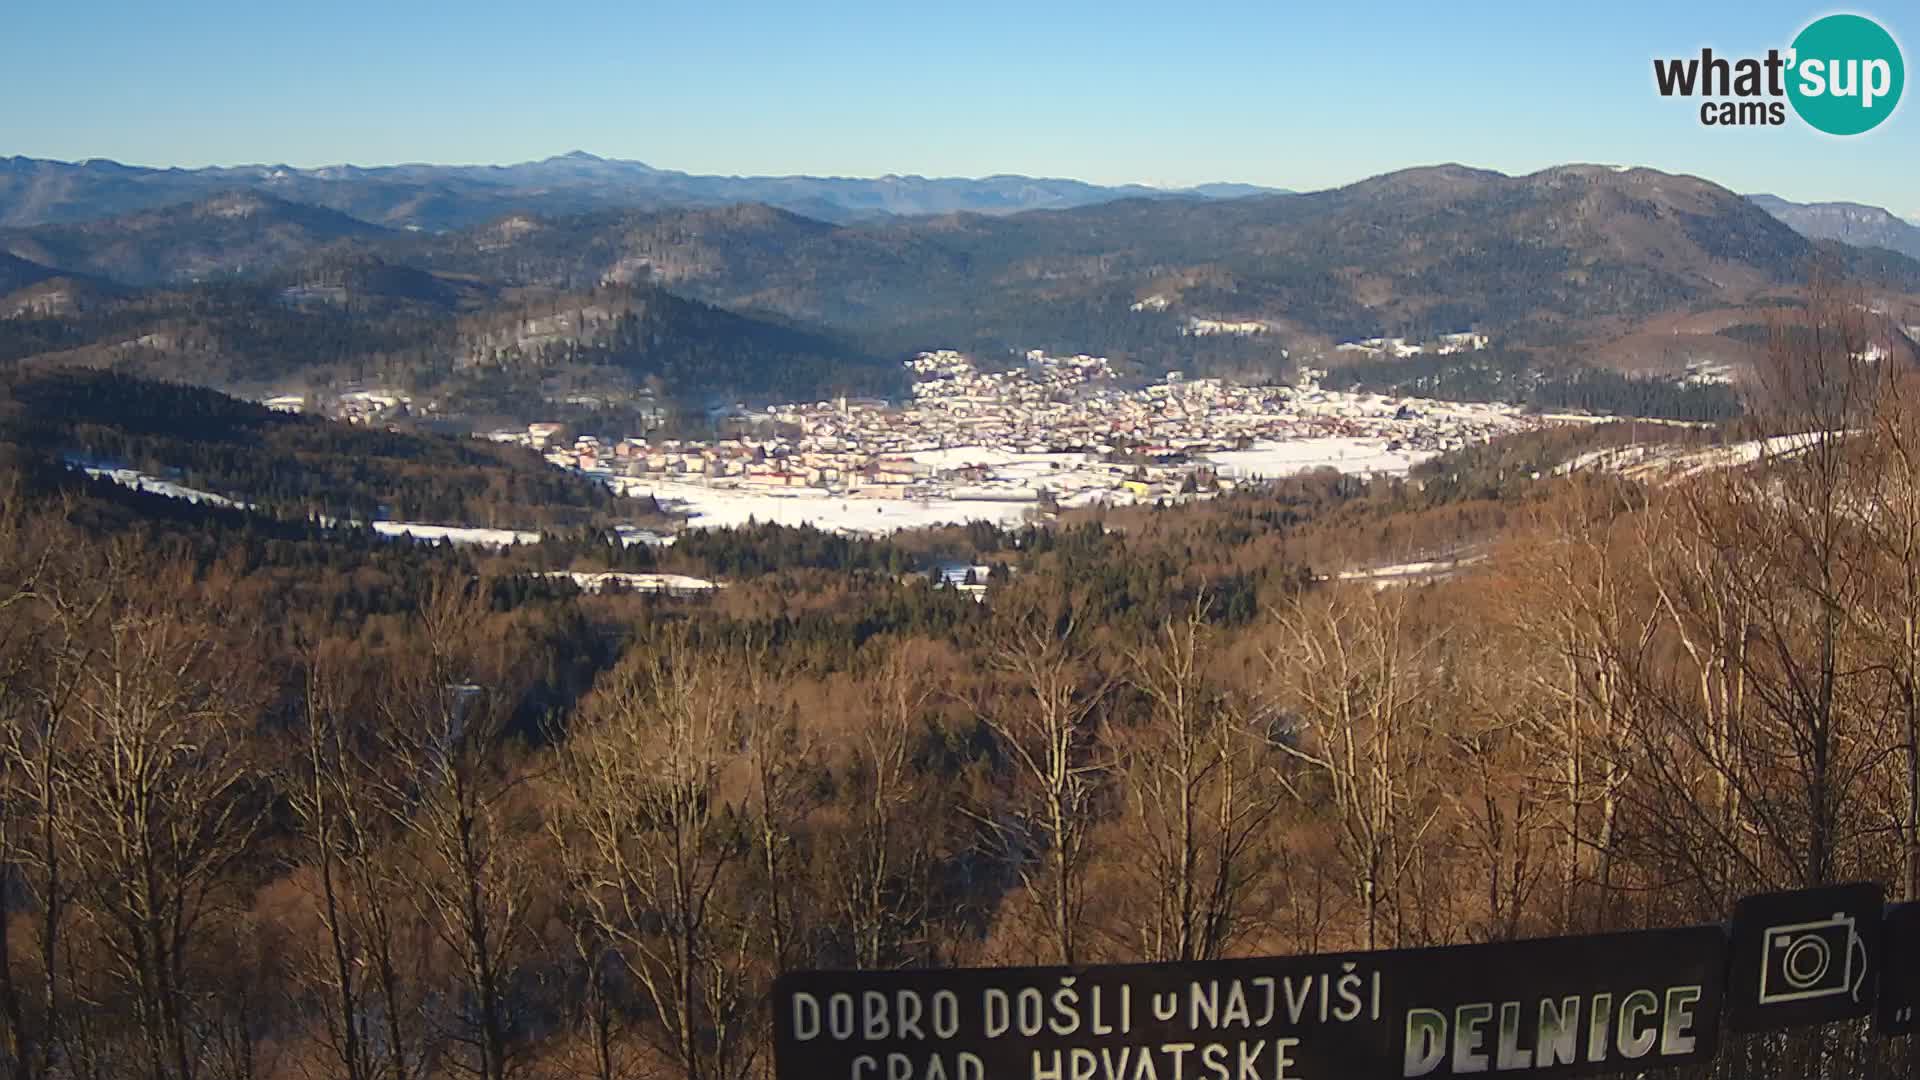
(436, 197)
(35, 191)
(576, 279)
(1848, 222)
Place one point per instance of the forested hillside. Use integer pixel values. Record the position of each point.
(226, 236)
(277, 804)
(347, 321)
(294, 468)
(1512, 376)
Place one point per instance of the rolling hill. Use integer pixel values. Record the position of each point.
(230, 235)
(468, 348)
(285, 466)
(17, 273)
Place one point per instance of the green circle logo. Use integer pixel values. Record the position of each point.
(1846, 76)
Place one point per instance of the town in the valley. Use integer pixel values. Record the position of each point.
(1000, 445)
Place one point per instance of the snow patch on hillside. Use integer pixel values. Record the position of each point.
(1414, 573)
(457, 534)
(678, 584)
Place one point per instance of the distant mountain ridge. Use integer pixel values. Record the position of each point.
(1555, 255)
(1848, 222)
(248, 290)
(435, 198)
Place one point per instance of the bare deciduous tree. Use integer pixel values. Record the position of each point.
(657, 854)
(163, 805)
(1761, 579)
(880, 852)
(1196, 796)
(1048, 726)
(453, 795)
(1355, 677)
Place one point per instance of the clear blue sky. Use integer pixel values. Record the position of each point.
(1273, 92)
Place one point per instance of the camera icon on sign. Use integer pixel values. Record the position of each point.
(1812, 960)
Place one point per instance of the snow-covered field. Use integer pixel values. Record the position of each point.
(1008, 499)
(723, 507)
(1291, 456)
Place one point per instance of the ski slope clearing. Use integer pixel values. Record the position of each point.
(154, 485)
(456, 534)
(1666, 462)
